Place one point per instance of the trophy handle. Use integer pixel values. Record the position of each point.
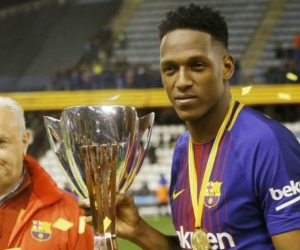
(53, 132)
(145, 131)
(56, 142)
(143, 136)
(146, 124)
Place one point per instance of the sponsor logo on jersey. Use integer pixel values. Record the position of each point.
(212, 193)
(217, 241)
(176, 194)
(41, 230)
(291, 190)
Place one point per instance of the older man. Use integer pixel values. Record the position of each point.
(34, 212)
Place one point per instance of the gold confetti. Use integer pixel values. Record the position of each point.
(284, 96)
(291, 76)
(112, 98)
(107, 222)
(22, 211)
(63, 224)
(246, 90)
(82, 223)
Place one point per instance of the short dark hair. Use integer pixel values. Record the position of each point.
(195, 17)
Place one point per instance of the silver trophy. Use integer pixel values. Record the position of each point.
(100, 150)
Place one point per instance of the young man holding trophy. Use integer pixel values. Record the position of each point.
(34, 212)
(235, 172)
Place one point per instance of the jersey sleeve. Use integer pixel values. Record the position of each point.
(276, 160)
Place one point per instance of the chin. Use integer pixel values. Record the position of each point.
(186, 117)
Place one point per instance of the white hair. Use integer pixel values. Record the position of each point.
(17, 111)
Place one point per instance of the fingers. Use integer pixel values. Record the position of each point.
(85, 206)
(124, 200)
(121, 199)
(84, 203)
(125, 207)
(89, 220)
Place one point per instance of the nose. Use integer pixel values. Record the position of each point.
(184, 79)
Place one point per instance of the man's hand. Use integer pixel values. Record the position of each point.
(127, 216)
(131, 226)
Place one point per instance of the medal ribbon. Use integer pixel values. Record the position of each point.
(198, 205)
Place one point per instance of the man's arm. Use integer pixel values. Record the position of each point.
(287, 241)
(134, 228)
(148, 238)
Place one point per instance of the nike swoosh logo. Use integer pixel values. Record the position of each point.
(175, 195)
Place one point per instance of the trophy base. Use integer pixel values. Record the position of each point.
(105, 242)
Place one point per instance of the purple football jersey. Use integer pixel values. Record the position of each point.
(254, 187)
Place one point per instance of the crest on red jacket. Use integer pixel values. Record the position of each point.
(41, 230)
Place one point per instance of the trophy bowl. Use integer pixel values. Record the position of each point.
(100, 150)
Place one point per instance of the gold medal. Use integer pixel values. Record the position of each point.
(199, 240)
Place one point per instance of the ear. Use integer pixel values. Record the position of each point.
(228, 67)
(25, 139)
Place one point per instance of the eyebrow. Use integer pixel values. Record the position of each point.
(188, 59)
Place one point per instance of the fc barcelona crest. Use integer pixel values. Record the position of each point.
(212, 194)
(41, 230)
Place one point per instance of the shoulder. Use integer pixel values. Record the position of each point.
(69, 202)
(264, 144)
(182, 140)
(181, 145)
(65, 206)
(254, 128)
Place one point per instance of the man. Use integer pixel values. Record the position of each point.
(35, 213)
(162, 196)
(235, 172)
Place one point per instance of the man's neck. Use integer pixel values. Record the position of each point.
(6, 195)
(206, 128)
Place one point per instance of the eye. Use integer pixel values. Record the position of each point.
(169, 69)
(3, 141)
(197, 65)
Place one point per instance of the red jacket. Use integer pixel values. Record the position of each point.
(51, 220)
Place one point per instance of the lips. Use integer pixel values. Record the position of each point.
(184, 99)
